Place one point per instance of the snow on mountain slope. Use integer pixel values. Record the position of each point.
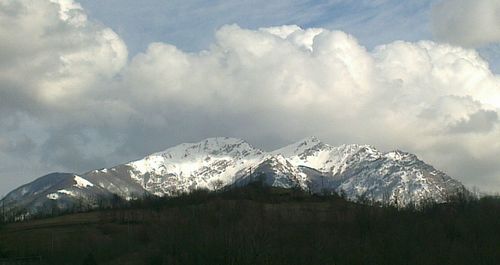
(363, 171)
(117, 180)
(57, 190)
(275, 171)
(358, 171)
(82, 183)
(190, 166)
(397, 177)
(311, 152)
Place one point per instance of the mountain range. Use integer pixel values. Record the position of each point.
(355, 171)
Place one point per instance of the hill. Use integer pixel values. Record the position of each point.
(262, 225)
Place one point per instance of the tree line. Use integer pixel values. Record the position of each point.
(262, 225)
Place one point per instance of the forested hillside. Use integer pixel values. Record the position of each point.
(259, 225)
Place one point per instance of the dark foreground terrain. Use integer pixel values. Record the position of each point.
(257, 225)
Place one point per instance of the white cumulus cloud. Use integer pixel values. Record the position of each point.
(51, 54)
(80, 105)
(286, 82)
(51, 60)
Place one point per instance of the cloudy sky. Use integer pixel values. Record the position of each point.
(94, 83)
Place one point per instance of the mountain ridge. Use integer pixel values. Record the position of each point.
(393, 177)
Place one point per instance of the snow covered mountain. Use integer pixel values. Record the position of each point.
(187, 167)
(56, 191)
(362, 171)
(358, 171)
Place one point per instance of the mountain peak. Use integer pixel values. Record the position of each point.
(309, 164)
(300, 147)
(210, 146)
(398, 155)
(311, 140)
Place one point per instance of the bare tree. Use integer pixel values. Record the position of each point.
(216, 185)
(3, 210)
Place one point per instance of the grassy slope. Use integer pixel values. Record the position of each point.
(255, 226)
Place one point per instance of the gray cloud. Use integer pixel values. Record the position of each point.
(21, 145)
(470, 23)
(68, 150)
(482, 121)
(83, 105)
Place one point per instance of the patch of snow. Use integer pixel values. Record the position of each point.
(67, 192)
(24, 191)
(53, 196)
(82, 183)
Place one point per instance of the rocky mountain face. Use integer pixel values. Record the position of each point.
(357, 171)
(54, 192)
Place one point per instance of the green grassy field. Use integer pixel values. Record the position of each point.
(262, 226)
